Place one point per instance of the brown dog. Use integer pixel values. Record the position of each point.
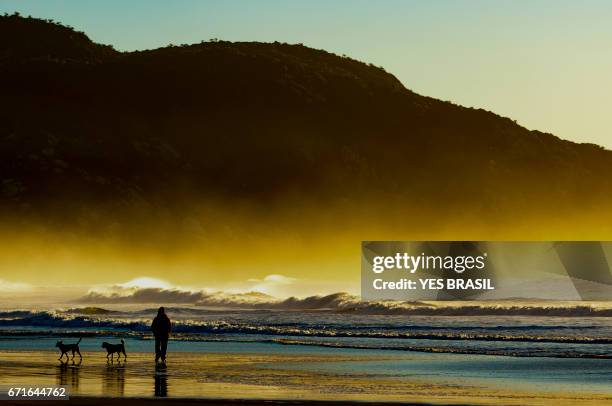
(115, 348)
(64, 348)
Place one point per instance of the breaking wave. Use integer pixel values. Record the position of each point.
(526, 336)
(346, 303)
(508, 352)
(197, 329)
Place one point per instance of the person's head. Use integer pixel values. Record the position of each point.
(161, 311)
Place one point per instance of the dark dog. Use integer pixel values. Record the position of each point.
(115, 348)
(64, 348)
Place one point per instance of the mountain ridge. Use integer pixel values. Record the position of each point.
(85, 128)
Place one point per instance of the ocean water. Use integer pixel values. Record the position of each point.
(525, 359)
(517, 336)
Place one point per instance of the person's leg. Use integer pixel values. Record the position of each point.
(164, 347)
(157, 348)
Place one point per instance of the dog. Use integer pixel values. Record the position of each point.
(115, 348)
(64, 348)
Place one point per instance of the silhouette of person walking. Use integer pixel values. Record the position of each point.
(161, 328)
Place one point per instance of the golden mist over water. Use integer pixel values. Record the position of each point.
(222, 247)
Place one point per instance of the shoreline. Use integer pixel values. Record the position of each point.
(143, 401)
(298, 378)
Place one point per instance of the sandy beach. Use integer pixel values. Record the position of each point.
(88, 401)
(191, 402)
(252, 378)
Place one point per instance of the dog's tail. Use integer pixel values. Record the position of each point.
(122, 342)
(80, 338)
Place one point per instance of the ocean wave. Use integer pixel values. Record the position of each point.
(494, 348)
(347, 304)
(197, 329)
(566, 353)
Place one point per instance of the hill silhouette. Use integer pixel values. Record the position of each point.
(89, 133)
(30, 39)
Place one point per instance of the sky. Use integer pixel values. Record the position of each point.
(545, 64)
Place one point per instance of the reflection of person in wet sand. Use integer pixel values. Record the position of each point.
(161, 328)
(113, 381)
(67, 374)
(161, 380)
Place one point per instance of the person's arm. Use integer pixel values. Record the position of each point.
(153, 325)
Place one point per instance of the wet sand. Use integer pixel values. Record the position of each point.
(252, 378)
(193, 402)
